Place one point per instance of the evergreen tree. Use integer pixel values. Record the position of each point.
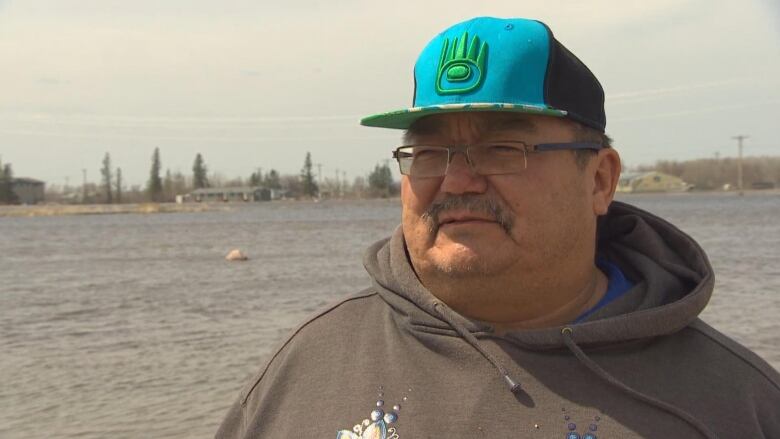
(199, 173)
(7, 194)
(118, 186)
(380, 180)
(272, 180)
(105, 171)
(307, 178)
(154, 185)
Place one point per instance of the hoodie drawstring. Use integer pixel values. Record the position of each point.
(604, 375)
(444, 313)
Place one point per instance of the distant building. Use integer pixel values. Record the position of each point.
(29, 190)
(638, 182)
(243, 193)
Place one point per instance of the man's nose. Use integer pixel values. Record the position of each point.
(461, 178)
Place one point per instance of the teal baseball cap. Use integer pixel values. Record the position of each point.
(498, 64)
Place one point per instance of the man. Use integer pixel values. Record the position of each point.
(516, 299)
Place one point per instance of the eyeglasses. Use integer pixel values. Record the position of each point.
(494, 158)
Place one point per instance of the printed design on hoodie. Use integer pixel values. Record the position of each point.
(587, 433)
(378, 425)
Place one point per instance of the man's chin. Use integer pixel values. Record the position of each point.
(458, 260)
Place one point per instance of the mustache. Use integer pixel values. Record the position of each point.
(471, 203)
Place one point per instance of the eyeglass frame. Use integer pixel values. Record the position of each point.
(539, 147)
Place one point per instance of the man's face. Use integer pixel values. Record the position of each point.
(464, 224)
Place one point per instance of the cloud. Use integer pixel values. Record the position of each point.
(131, 121)
(701, 110)
(774, 11)
(253, 140)
(643, 95)
(51, 81)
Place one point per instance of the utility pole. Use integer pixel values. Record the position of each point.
(739, 139)
(319, 174)
(84, 186)
(338, 184)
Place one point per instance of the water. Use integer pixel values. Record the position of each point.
(131, 326)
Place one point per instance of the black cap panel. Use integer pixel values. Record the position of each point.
(569, 85)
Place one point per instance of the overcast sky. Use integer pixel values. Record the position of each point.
(257, 84)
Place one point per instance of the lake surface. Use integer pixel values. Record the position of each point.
(130, 326)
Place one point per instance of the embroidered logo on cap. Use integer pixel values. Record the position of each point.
(460, 69)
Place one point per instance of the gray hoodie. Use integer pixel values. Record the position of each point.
(395, 362)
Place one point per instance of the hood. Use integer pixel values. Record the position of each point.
(672, 277)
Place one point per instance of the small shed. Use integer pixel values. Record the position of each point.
(29, 190)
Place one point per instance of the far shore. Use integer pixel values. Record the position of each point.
(57, 209)
(735, 193)
(54, 209)
(107, 209)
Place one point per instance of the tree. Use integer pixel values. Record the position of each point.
(199, 173)
(359, 187)
(180, 185)
(105, 171)
(7, 194)
(310, 188)
(118, 186)
(168, 186)
(154, 186)
(291, 184)
(255, 179)
(380, 181)
(272, 180)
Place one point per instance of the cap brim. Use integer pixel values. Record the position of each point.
(402, 119)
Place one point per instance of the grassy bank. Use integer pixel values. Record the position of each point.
(106, 209)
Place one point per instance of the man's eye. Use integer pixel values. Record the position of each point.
(425, 152)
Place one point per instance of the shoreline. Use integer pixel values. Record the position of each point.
(54, 209)
(107, 209)
(745, 192)
(38, 210)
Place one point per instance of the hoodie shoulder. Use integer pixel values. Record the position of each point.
(341, 310)
(323, 338)
(741, 354)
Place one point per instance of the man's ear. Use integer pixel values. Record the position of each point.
(606, 172)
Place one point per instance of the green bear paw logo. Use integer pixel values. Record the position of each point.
(460, 69)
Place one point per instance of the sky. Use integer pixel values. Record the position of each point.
(253, 84)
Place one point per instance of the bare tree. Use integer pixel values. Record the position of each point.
(105, 171)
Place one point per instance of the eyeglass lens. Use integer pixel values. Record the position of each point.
(432, 161)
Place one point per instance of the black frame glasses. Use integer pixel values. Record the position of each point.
(490, 158)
